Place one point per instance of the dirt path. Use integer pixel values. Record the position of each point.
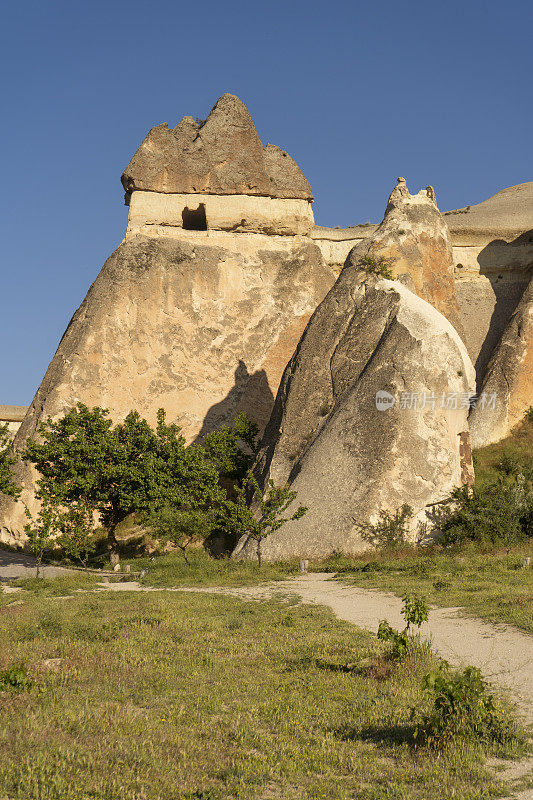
(20, 565)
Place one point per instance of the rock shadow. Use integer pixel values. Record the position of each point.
(250, 393)
(495, 260)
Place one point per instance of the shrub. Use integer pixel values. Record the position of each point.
(376, 266)
(14, 679)
(180, 526)
(462, 706)
(498, 513)
(390, 531)
(7, 461)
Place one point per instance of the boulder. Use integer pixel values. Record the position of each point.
(201, 328)
(371, 414)
(222, 155)
(413, 240)
(507, 390)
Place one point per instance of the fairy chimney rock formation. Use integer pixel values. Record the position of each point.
(413, 241)
(201, 306)
(369, 416)
(222, 155)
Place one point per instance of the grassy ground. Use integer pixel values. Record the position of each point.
(196, 696)
(171, 570)
(518, 445)
(493, 586)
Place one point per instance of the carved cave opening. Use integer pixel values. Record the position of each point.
(194, 220)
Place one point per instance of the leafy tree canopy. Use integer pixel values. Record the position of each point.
(233, 447)
(121, 469)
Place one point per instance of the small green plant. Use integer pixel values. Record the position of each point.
(462, 706)
(239, 518)
(529, 414)
(42, 528)
(399, 640)
(414, 611)
(14, 679)
(376, 266)
(390, 531)
(324, 409)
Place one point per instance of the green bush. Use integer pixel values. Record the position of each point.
(376, 266)
(498, 513)
(390, 531)
(462, 706)
(414, 611)
(14, 679)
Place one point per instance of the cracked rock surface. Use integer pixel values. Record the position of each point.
(327, 439)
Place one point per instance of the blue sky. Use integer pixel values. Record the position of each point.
(357, 92)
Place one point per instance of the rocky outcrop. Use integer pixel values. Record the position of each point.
(222, 155)
(200, 328)
(413, 241)
(371, 413)
(507, 391)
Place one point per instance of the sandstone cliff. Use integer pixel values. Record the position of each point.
(507, 391)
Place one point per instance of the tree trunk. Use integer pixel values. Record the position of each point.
(112, 544)
(259, 552)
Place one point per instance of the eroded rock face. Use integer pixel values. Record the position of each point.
(507, 391)
(222, 156)
(200, 328)
(414, 240)
(327, 439)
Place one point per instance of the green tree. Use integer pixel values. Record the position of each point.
(240, 518)
(181, 526)
(42, 529)
(233, 447)
(7, 461)
(122, 469)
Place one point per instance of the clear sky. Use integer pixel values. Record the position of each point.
(358, 93)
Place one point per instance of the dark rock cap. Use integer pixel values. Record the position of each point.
(222, 155)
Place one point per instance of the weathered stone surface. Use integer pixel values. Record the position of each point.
(234, 213)
(507, 391)
(327, 440)
(286, 178)
(196, 327)
(413, 238)
(224, 156)
(505, 215)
